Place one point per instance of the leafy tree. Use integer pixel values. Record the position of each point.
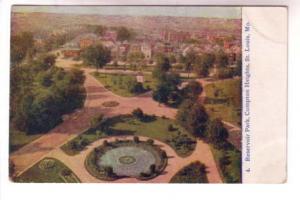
(45, 62)
(96, 55)
(221, 59)
(123, 34)
(161, 93)
(203, 64)
(192, 115)
(238, 68)
(163, 63)
(192, 90)
(223, 73)
(216, 132)
(136, 58)
(100, 30)
(21, 45)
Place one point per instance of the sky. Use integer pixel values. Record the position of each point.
(188, 11)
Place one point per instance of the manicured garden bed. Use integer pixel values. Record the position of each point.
(110, 104)
(126, 158)
(48, 170)
(18, 139)
(192, 173)
(163, 129)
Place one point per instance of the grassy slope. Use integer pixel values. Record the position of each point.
(18, 139)
(106, 80)
(157, 129)
(231, 173)
(36, 175)
(228, 89)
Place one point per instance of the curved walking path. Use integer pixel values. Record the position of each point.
(78, 121)
(201, 153)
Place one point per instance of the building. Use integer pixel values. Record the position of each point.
(86, 42)
(71, 53)
(147, 51)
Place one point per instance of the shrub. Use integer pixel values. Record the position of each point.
(105, 143)
(150, 141)
(170, 127)
(152, 168)
(47, 164)
(85, 142)
(108, 171)
(138, 113)
(164, 154)
(66, 172)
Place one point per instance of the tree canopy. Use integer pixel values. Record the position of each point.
(96, 55)
(192, 115)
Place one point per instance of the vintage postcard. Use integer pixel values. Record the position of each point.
(147, 94)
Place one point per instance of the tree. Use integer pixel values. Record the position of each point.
(136, 58)
(193, 117)
(163, 63)
(203, 64)
(167, 88)
(76, 76)
(96, 55)
(216, 132)
(238, 68)
(223, 73)
(192, 90)
(21, 46)
(189, 61)
(123, 34)
(161, 93)
(100, 30)
(221, 59)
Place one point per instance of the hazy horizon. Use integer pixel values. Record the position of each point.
(171, 11)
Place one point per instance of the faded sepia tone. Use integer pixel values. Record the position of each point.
(129, 94)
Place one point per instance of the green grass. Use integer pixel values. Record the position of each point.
(178, 138)
(192, 173)
(18, 139)
(117, 82)
(228, 93)
(231, 171)
(36, 174)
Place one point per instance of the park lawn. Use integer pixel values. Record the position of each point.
(192, 173)
(36, 174)
(18, 139)
(120, 89)
(228, 93)
(178, 138)
(231, 172)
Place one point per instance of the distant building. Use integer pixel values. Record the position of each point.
(74, 53)
(147, 51)
(84, 43)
